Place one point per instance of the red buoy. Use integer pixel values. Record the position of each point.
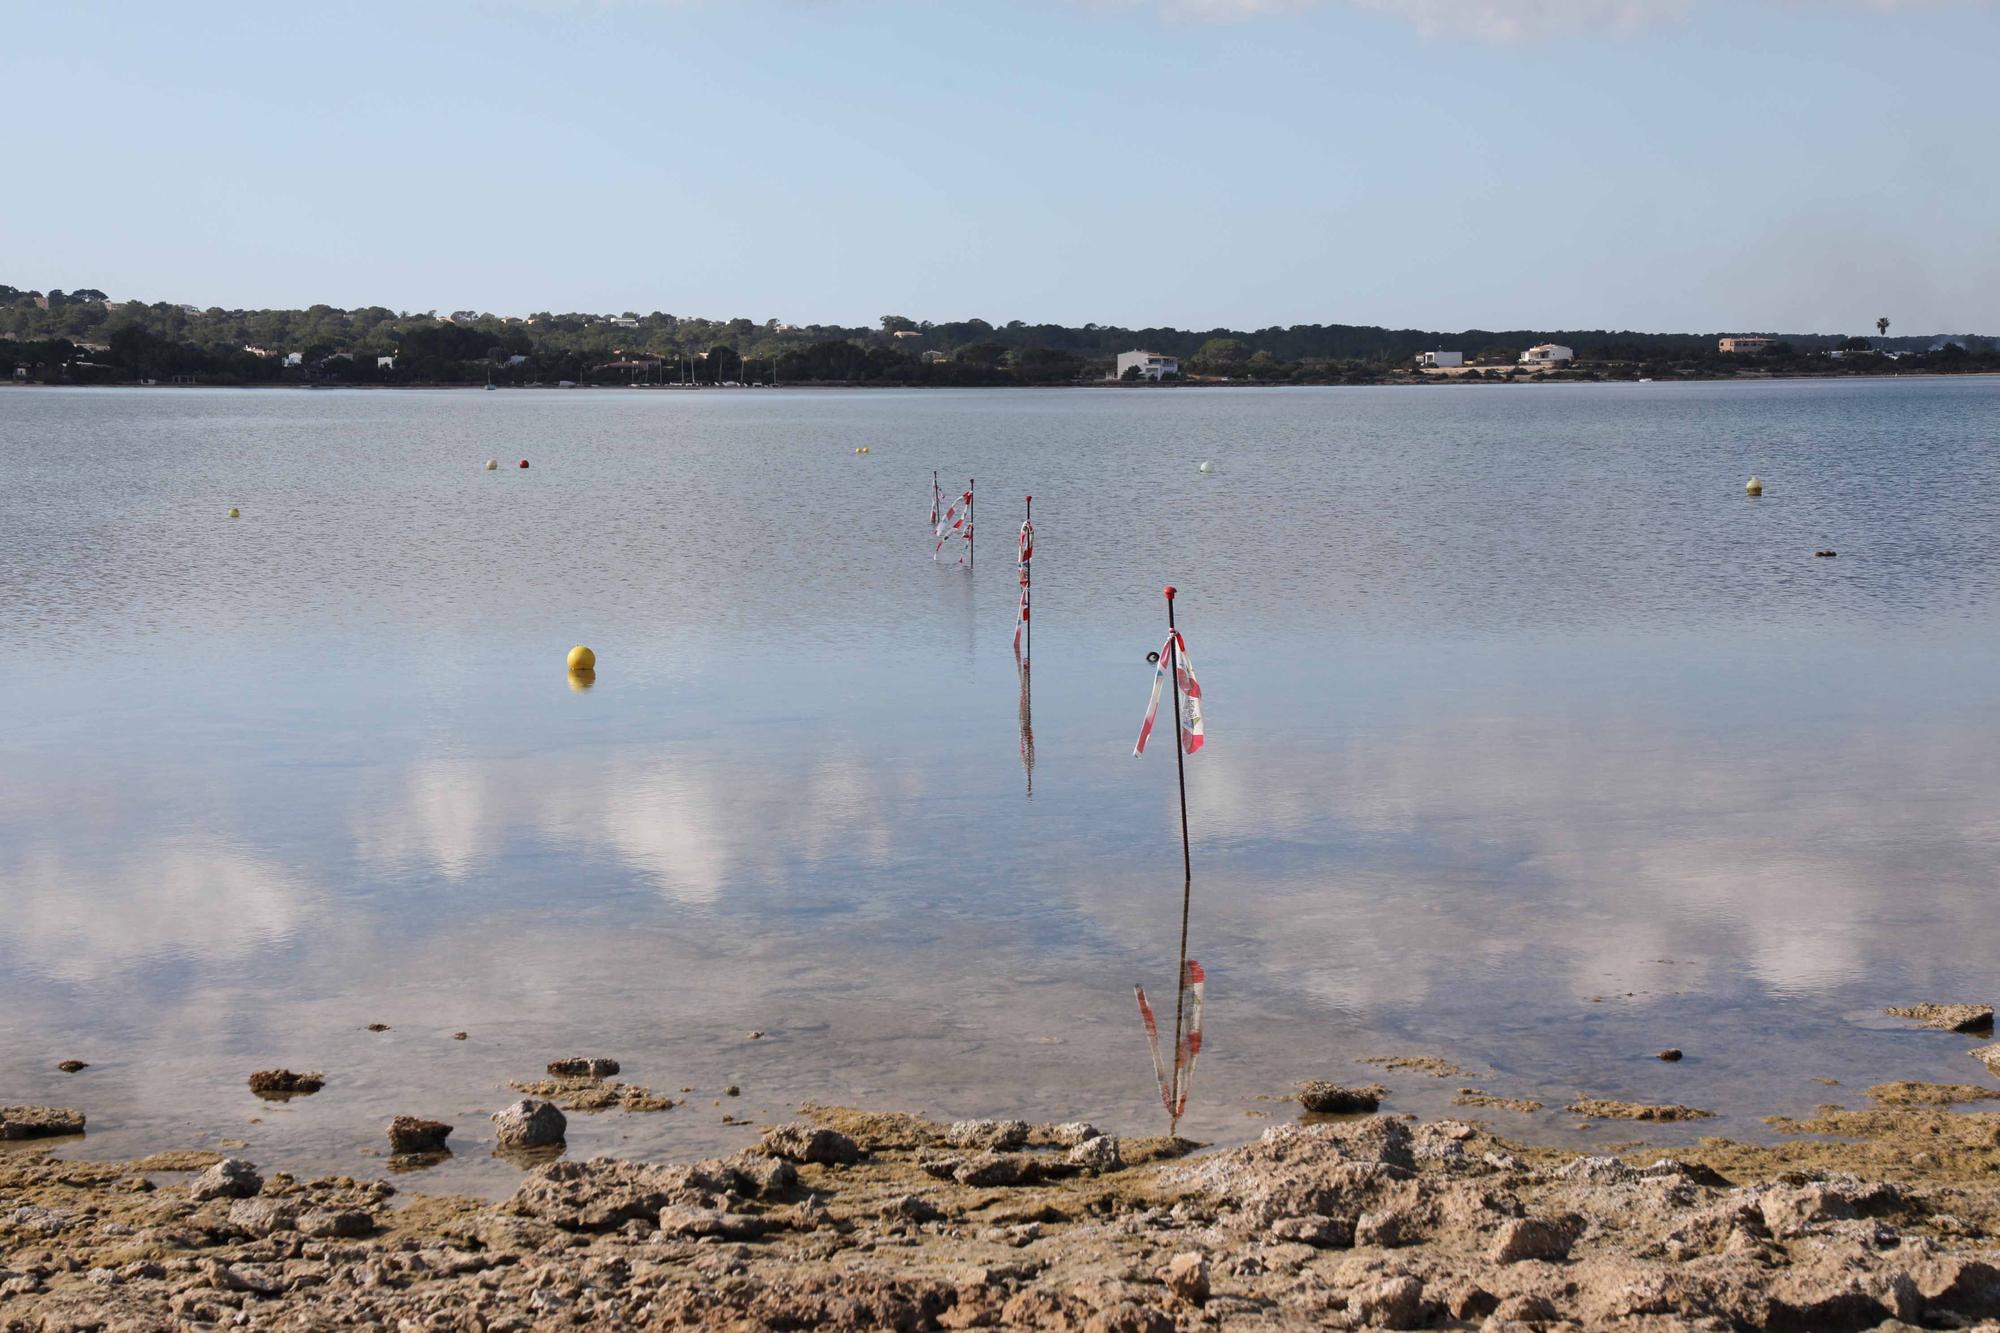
(524, 462)
(1170, 592)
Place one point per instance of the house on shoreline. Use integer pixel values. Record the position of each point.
(1547, 354)
(1440, 360)
(1150, 365)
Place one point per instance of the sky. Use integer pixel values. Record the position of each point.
(1669, 165)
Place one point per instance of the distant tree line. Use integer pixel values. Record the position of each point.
(83, 336)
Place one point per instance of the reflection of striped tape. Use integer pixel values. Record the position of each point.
(1174, 1095)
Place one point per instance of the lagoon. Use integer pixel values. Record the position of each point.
(1534, 746)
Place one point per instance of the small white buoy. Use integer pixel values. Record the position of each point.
(1206, 466)
(492, 465)
(1753, 487)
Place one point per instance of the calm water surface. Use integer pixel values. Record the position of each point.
(1533, 744)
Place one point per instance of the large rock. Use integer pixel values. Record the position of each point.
(263, 1217)
(1528, 1238)
(1187, 1277)
(584, 1066)
(38, 1122)
(1947, 1017)
(530, 1123)
(1324, 1098)
(998, 1135)
(603, 1194)
(809, 1143)
(230, 1178)
(409, 1135)
(1097, 1155)
(281, 1083)
(336, 1224)
(681, 1220)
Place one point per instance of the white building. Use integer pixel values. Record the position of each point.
(295, 358)
(385, 363)
(1544, 354)
(1151, 365)
(1441, 360)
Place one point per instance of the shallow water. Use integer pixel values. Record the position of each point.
(1533, 744)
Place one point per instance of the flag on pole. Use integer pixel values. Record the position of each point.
(1191, 726)
(1025, 562)
(1174, 1091)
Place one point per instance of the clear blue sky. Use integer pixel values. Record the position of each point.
(1695, 165)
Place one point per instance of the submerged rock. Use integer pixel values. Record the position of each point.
(73, 1066)
(1947, 1017)
(39, 1122)
(529, 1123)
(1324, 1098)
(1603, 1108)
(408, 1134)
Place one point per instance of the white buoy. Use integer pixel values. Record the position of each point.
(1206, 466)
(492, 465)
(1753, 487)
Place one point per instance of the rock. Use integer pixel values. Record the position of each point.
(681, 1220)
(73, 1066)
(530, 1124)
(262, 1217)
(1187, 1278)
(1671, 1055)
(808, 1143)
(1527, 1238)
(1596, 1170)
(378, 1027)
(230, 1178)
(1096, 1155)
(336, 1224)
(408, 1134)
(762, 1176)
(910, 1208)
(279, 1083)
(1986, 1055)
(1396, 1303)
(1527, 1309)
(1947, 1017)
(584, 1067)
(1324, 1098)
(459, 1036)
(1323, 1233)
(1602, 1108)
(39, 1122)
(1070, 1134)
(995, 1134)
(988, 1169)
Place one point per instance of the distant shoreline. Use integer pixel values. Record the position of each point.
(877, 385)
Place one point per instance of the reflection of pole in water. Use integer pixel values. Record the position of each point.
(1170, 664)
(1022, 669)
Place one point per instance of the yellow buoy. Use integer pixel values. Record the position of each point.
(234, 514)
(1753, 487)
(582, 659)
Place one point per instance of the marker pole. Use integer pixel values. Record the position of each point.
(1187, 862)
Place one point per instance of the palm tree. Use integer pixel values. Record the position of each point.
(1882, 326)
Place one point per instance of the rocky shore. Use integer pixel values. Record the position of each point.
(1883, 1217)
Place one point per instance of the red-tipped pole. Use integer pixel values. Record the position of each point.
(1028, 597)
(1187, 860)
(971, 539)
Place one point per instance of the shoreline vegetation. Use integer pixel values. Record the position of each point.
(84, 337)
(1881, 1212)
